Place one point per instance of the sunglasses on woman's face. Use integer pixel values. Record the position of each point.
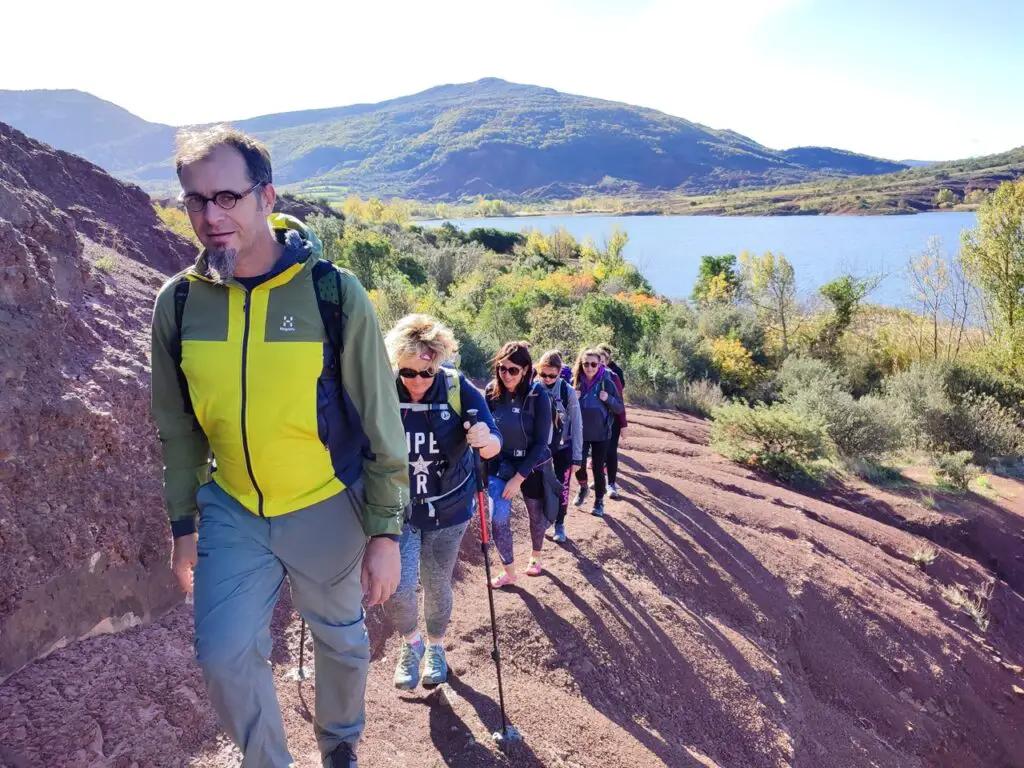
(409, 373)
(548, 376)
(509, 370)
(590, 365)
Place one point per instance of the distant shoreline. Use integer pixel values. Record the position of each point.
(737, 215)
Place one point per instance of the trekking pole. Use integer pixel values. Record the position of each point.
(507, 733)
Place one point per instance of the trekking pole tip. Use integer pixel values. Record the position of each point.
(506, 737)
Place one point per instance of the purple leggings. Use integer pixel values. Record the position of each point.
(501, 523)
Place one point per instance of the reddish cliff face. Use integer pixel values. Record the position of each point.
(82, 538)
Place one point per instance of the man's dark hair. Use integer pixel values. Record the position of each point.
(195, 145)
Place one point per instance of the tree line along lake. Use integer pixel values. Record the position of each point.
(820, 248)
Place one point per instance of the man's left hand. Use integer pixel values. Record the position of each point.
(382, 570)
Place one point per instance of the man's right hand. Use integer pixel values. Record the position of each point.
(183, 560)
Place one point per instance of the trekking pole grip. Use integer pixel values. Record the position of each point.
(472, 415)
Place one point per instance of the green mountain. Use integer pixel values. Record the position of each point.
(490, 137)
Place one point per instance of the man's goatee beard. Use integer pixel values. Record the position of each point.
(222, 263)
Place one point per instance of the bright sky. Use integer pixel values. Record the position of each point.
(919, 79)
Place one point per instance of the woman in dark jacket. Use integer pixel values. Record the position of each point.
(620, 423)
(442, 482)
(522, 411)
(600, 404)
(567, 435)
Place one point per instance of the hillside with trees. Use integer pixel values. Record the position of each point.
(489, 137)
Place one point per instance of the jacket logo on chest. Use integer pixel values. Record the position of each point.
(287, 324)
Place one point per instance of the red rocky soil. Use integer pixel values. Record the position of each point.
(713, 618)
(82, 550)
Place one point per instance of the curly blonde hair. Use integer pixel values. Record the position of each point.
(415, 335)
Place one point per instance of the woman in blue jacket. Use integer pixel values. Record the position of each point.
(599, 407)
(442, 469)
(522, 411)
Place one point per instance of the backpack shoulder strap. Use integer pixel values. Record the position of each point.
(181, 289)
(327, 285)
(453, 383)
(562, 391)
(180, 298)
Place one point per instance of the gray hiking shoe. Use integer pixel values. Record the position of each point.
(598, 510)
(613, 491)
(343, 756)
(407, 672)
(559, 537)
(581, 497)
(435, 666)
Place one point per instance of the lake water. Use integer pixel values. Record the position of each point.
(668, 248)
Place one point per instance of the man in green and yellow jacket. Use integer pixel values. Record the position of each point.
(277, 411)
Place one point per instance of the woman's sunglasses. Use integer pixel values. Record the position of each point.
(409, 373)
(590, 365)
(509, 370)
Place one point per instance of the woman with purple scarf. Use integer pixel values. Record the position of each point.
(599, 404)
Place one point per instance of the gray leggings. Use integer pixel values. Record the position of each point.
(428, 557)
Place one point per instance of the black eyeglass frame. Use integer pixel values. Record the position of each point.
(225, 195)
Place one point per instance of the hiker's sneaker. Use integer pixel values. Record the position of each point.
(407, 673)
(581, 496)
(598, 510)
(343, 756)
(559, 537)
(613, 491)
(535, 568)
(435, 666)
(504, 580)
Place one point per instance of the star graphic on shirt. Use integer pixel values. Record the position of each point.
(421, 466)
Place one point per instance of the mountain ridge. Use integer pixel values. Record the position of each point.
(451, 141)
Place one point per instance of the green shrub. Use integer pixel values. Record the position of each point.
(105, 263)
(798, 374)
(961, 378)
(864, 429)
(919, 401)
(961, 421)
(981, 425)
(955, 470)
(700, 397)
(774, 438)
(496, 240)
(727, 321)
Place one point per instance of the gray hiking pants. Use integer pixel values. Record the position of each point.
(243, 560)
(428, 557)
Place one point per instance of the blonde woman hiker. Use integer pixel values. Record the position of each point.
(440, 441)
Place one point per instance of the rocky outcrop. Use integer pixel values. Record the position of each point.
(83, 541)
(304, 207)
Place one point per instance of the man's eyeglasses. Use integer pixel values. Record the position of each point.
(225, 199)
(548, 376)
(590, 365)
(509, 370)
(409, 373)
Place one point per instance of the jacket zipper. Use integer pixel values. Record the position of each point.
(245, 377)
